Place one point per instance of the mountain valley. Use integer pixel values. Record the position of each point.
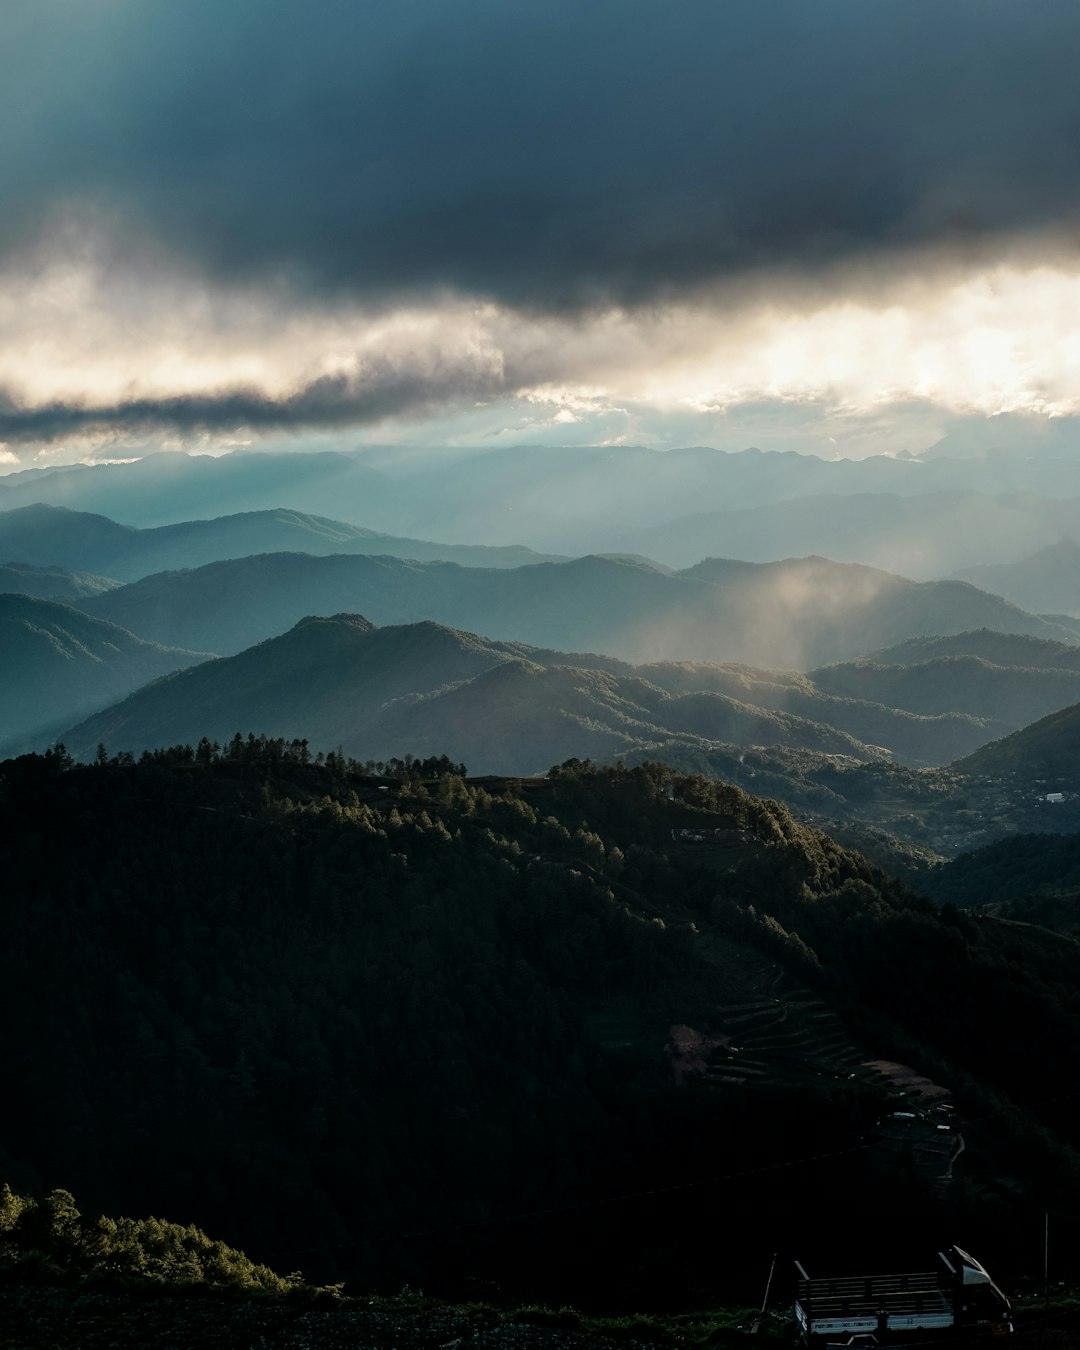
(539, 675)
(282, 705)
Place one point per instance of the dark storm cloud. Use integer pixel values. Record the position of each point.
(331, 401)
(553, 152)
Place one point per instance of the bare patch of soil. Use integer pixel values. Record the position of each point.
(689, 1050)
(906, 1080)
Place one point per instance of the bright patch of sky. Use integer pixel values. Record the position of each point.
(102, 348)
(834, 226)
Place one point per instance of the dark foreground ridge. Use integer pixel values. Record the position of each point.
(58, 1317)
(65, 1319)
(390, 1025)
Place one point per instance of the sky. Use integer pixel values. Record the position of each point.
(841, 226)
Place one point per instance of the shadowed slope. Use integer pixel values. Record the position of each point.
(60, 664)
(501, 707)
(52, 583)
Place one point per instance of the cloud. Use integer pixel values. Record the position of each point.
(492, 219)
(557, 158)
(104, 346)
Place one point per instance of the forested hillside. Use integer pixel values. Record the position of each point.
(987, 644)
(1033, 878)
(1007, 696)
(390, 1024)
(1047, 753)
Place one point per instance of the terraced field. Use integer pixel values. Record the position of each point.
(773, 1029)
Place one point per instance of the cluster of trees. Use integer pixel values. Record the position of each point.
(1018, 873)
(268, 753)
(420, 1035)
(50, 1239)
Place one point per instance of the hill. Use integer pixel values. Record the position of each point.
(502, 707)
(478, 1031)
(1006, 696)
(795, 614)
(1047, 582)
(913, 738)
(1000, 649)
(61, 664)
(52, 583)
(52, 536)
(1047, 752)
(49, 534)
(1033, 878)
(171, 487)
(922, 536)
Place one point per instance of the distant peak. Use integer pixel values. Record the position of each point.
(356, 621)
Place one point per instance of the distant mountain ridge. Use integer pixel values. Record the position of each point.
(41, 534)
(800, 613)
(924, 536)
(1005, 695)
(1001, 649)
(1048, 581)
(60, 664)
(564, 498)
(52, 583)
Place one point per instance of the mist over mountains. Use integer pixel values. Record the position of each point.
(493, 801)
(683, 663)
(794, 614)
(52, 583)
(508, 708)
(58, 660)
(41, 533)
(922, 536)
(915, 719)
(922, 517)
(1048, 581)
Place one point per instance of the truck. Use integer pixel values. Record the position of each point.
(952, 1300)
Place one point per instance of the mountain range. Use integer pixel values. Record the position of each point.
(504, 707)
(60, 664)
(925, 536)
(52, 583)
(377, 692)
(794, 614)
(1049, 580)
(41, 534)
(602, 499)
